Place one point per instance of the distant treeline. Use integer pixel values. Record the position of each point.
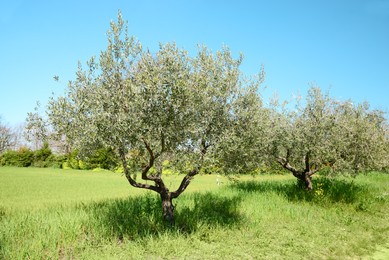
(43, 158)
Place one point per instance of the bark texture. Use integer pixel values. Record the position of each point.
(159, 186)
(304, 175)
(167, 207)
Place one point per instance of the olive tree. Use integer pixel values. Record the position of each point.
(363, 139)
(152, 106)
(321, 131)
(244, 151)
(302, 138)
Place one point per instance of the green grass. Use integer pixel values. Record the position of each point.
(56, 214)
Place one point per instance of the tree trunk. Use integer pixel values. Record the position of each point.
(305, 176)
(167, 207)
(307, 179)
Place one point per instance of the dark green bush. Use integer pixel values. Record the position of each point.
(42, 154)
(103, 158)
(55, 161)
(72, 160)
(23, 157)
(8, 158)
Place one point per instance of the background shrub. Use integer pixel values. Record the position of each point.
(42, 154)
(24, 157)
(104, 158)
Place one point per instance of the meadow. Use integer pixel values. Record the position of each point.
(69, 214)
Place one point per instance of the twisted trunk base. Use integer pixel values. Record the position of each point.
(304, 175)
(306, 179)
(167, 207)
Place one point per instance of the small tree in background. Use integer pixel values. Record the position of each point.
(323, 132)
(362, 140)
(7, 137)
(303, 138)
(36, 129)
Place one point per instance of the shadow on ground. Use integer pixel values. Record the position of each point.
(138, 217)
(324, 190)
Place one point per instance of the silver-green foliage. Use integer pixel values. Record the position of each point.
(363, 140)
(201, 113)
(152, 106)
(321, 131)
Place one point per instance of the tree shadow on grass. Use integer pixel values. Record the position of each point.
(138, 217)
(325, 190)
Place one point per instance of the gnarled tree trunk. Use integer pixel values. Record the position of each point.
(167, 207)
(306, 179)
(159, 187)
(305, 176)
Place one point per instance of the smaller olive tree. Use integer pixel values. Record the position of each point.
(363, 140)
(323, 132)
(302, 138)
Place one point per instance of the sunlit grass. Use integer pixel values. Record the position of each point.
(87, 215)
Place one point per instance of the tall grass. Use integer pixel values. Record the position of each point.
(265, 217)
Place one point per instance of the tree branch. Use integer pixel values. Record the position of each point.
(188, 178)
(285, 163)
(306, 159)
(185, 182)
(163, 145)
(130, 179)
(150, 164)
(313, 171)
(204, 147)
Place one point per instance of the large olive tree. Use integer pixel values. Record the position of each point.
(151, 107)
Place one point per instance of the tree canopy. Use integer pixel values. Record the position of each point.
(322, 132)
(202, 114)
(156, 106)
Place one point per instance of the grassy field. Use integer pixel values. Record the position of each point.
(65, 214)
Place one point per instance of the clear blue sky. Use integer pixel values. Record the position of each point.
(341, 45)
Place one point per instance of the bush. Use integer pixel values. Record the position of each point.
(42, 154)
(72, 160)
(74, 163)
(8, 158)
(119, 169)
(66, 166)
(23, 157)
(83, 165)
(55, 161)
(103, 158)
(39, 164)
